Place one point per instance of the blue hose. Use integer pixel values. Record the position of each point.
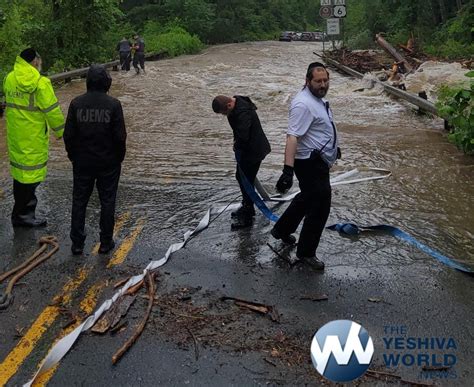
(353, 229)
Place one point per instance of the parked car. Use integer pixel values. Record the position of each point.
(286, 36)
(319, 36)
(307, 36)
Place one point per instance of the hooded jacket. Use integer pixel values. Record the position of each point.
(249, 139)
(95, 134)
(31, 110)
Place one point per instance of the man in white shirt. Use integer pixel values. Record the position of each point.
(311, 149)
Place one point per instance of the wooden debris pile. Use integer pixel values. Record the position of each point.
(363, 61)
(403, 61)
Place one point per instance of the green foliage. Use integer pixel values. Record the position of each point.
(456, 105)
(440, 27)
(75, 33)
(10, 40)
(67, 33)
(450, 49)
(173, 39)
(454, 39)
(221, 21)
(361, 40)
(198, 17)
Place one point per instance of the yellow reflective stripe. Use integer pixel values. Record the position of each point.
(31, 107)
(22, 107)
(28, 167)
(48, 109)
(58, 128)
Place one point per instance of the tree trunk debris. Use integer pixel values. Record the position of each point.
(150, 284)
(112, 317)
(394, 53)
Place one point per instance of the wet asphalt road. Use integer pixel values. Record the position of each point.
(376, 281)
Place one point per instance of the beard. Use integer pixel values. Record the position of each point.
(318, 92)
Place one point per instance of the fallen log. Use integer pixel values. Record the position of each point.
(394, 53)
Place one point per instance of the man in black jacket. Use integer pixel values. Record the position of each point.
(95, 139)
(124, 48)
(250, 147)
(139, 55)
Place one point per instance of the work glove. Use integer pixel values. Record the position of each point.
(286, 179)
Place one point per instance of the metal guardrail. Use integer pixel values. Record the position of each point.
(414, 99)
(77, 73)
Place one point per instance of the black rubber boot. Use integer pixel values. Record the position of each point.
(76, 249)
(243, 221)
(105, 247)
(22, 221)
(288, 239)
(313, 262)
(245, 210)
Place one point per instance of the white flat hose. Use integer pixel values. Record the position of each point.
(64, 345)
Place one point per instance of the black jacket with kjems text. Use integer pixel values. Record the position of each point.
(95, 134)
(249, 137)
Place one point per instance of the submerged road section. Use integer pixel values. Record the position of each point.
(179, 163)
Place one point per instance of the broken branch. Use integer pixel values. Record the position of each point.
(150, 284)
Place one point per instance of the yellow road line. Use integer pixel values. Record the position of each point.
(16, 357)
(122, 252)
(87, 306)
(90, 300)
(19, 353)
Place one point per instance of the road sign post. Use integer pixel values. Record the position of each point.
(334, 11)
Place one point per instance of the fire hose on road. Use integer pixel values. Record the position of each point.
(38, 257)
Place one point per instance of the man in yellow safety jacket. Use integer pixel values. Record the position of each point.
(32, 110)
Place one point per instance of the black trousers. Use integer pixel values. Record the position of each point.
(250, 170)
(139, 58)
(25, 201)
(106, 180)
(313, 204)
(125, 58)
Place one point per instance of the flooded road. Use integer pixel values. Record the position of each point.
(180, 162)
(177, 146)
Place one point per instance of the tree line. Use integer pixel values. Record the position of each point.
(74, 33)
(441, 27)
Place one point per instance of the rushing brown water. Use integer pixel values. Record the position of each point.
(180, 159)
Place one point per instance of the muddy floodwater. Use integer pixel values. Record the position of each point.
(180, 162)
(180, 159)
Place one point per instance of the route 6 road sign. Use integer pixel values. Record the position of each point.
(340, 11)
(325, 12)
(325, 2)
